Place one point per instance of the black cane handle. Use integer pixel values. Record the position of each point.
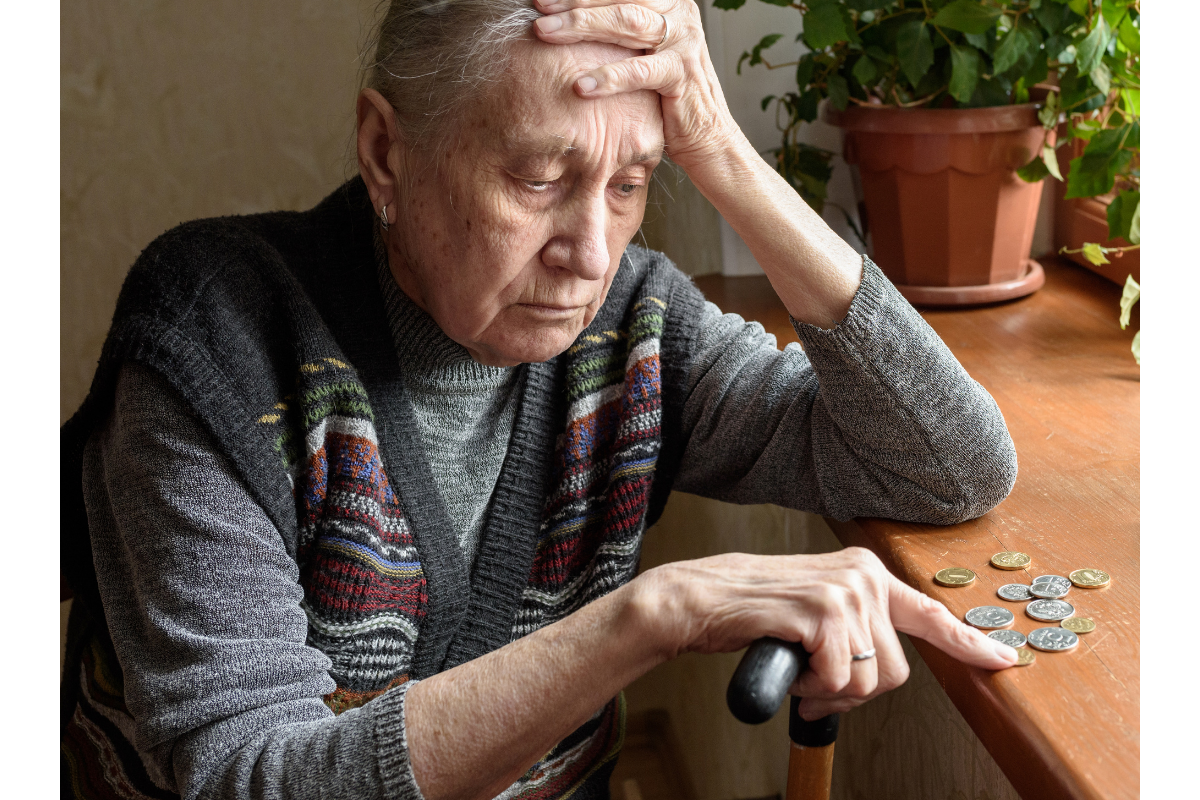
(760, 682)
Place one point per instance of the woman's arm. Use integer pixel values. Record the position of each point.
(872, 418)
(204, 609)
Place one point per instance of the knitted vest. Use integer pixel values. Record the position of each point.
(272, 329)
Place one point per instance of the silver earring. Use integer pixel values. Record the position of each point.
(383, 217)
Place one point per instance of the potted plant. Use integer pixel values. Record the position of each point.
(951, 110)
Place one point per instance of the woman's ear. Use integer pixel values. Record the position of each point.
(378, 137)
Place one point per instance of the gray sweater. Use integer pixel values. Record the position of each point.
(203, 601)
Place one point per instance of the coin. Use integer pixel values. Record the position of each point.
(955, 576)
(989, 617)
(1014, 592)
(1011, 560)
(1079, 625)
(1010, 638)
(1025, 658)
(1090, 578)
(1050, 587)
(1053, 640)
(1050, 610)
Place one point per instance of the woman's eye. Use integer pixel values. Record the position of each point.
(627, 188)
(538, 186)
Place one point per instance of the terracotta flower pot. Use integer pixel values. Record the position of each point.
(951, 222)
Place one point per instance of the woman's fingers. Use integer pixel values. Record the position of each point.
(660, 72)
(926, 618)
(626, 24)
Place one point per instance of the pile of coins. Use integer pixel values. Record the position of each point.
(1045, 604)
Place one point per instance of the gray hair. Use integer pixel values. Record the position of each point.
(433, 56)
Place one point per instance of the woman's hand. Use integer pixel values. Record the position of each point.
(836, 605)
(697, 125)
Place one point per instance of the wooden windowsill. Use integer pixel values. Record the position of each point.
(1060, 369)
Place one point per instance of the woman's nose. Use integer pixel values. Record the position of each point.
(581, 241)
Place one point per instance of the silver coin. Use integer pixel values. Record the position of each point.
(1015, 592)
(1010, 638)
(1047, 591)
(1050, 610)
(1053, 640)
(1050, 586)
(988, 617)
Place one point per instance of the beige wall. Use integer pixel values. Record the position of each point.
(173, 111)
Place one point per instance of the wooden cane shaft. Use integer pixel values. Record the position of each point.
(810, 772)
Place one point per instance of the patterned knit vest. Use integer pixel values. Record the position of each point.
(365, 585)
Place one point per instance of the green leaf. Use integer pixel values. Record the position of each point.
(864, 70)
(914, 49)
(806, 107)
(980, 41)
(1080, 7)
(1131, 102)
(1121, 213)
(1135, 225)
(1131, 293)
(784, 3)
(1078, 93)
(1034, 171)
(766, 101)
(967, 16)
(1094, 253)
(1101, 77)
(1129, 35)
(1051, 160)
(804, 71)
(866, 5)
(1052, 16)
(1093, 177)
(1134, 140)
(824, 26)
(1038, 70)
(1092, 48)
(839, 92)
(967, 65)
(1114, 11)
(1011, 47)
(728, 5)
(1136, 348)
(1048, 114)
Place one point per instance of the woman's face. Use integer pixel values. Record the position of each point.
(511, 243)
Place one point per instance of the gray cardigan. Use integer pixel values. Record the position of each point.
(872, 418)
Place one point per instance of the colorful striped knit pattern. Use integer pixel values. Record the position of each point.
(592, 527)
(364, 590)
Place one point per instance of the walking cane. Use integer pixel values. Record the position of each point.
(755, 693)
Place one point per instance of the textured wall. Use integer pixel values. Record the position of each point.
(173, 111)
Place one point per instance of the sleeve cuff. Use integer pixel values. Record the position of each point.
(874, 292)
(391, 745)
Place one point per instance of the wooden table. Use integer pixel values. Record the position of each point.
(1060, 369)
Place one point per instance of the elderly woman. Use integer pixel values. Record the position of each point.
(364, 487)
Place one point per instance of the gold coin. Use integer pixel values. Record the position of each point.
(1078, 624)
(1025, 657)
(955, 576)
(1011, 560)
(1090, 578)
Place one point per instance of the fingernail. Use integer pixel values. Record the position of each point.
(586, 84)
(1009, 654)
(549, 24)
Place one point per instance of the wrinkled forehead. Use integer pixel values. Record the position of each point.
(535, 111)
